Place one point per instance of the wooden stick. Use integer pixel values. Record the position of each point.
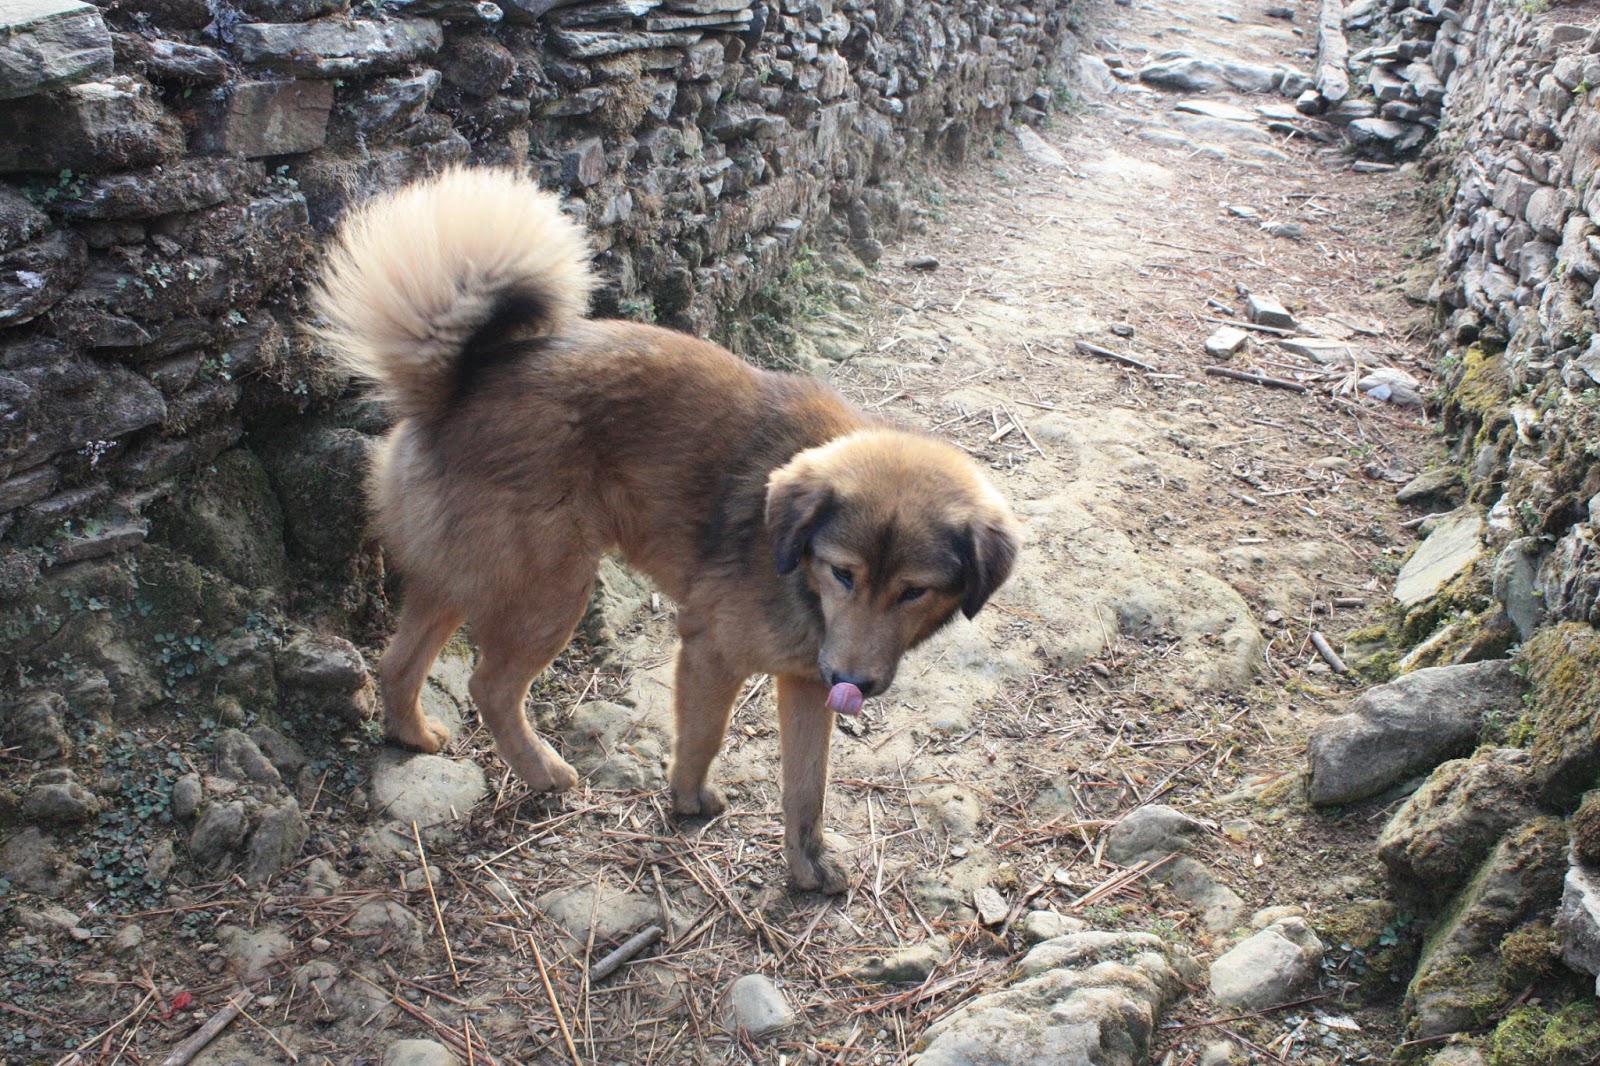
(555, 1004)
(1106, 353)
(630, 947)
(438, 915)
(1255, 379)
(208, 1032)
(1329, 656)
(1250, 325)
(246, 1015)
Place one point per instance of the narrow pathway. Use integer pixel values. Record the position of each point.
(1188, 533)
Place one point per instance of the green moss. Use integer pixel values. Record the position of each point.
(1585, 827)
(1371, 942)
(1528, 954)
(1468, 594)
(1532, 1035)
(1563, 664)
(1481, 385)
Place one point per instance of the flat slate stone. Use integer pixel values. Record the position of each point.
(1038, 149)
(336, 49)
(1455, 544)
(1225, 342)
(1217, 109)
(45, 44)
(581, 45)
(1578, 925)
(262, 118)
(1265, 311)
(665, 23)
(96, 126)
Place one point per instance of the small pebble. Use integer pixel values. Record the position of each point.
(922, 262)
(320, 944)
(1122, 329)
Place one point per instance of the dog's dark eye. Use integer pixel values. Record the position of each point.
(912, 594)
(842, 576)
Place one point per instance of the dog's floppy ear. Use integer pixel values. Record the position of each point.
(988, 550)
(798, 504)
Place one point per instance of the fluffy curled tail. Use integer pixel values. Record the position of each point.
(422, 282)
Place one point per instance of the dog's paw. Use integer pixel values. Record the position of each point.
(704, 802)
(427, 735)
(817, 872)
(549, 774)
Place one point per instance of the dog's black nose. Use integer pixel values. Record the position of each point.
(867, 687)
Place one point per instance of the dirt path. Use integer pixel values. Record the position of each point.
(1187, 533)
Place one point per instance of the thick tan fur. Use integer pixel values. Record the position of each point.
(799, 537)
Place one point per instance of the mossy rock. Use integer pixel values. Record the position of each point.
(1533, 1036)
(228, 519)
(1371, 942)
(1563, 717)
(1529, 955)
(1461, 979)
(1480, 385)
(1585, 826)
(1468, 594)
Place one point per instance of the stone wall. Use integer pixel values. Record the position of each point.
(168, 167)
(1501, 849)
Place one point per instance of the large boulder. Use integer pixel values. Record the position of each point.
(1407, 727)
(1563, 717)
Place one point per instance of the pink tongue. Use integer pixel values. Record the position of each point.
(845, 698)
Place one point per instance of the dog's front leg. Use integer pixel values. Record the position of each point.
(703, 702)
(806, 726)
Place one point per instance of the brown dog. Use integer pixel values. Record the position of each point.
(798, 537)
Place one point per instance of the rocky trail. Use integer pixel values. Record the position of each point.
(1176, 325)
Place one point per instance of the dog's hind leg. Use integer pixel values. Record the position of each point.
(805, 728)
(518, 641)
(703, 702)
(426, 623)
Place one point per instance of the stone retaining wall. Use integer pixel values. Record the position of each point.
(167, 168)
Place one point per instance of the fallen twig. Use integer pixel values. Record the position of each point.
(1106, 353)
(1329, 656)
(1254, 379)
(209, 1031)
(629, 948)
(555, 1004)
(438, 915)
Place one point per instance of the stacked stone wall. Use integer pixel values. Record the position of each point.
(169, 167)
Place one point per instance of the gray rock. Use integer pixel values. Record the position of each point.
(582, 45)
(326, 675)
(387, 925)
(1270, 968)
(1263, 310)
(756, 1006)
(321, 878)
(1454, 544)
(100, 125)
(1431, 488)
(336, 49)
(187, 792)
(426, 789)
(908, 964)
(36, 276)
(252, 119)
(46, 44)
(1089, 998)
(236, 756)
(1459, 982)
(1578, 924)
(1199, 74)
(1038, 150)
(1219, 906)
(275, 841)
(1516, 584)
(218, 832)
(37, 725)
(30, 859)
(187, 185)
(1039, 926)
(1222, 1053)
(128, 940)
(60, 803)
(1407, 727)
(48, 920)
(1152, 832)
(253, 952)
(614, 914)
(1445, 830)
(419, 1053)
(286, 756)
(1225, 341)
(159, 862)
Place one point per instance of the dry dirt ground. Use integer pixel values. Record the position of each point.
(1187, 534)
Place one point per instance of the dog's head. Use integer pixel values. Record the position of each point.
(895, 533)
